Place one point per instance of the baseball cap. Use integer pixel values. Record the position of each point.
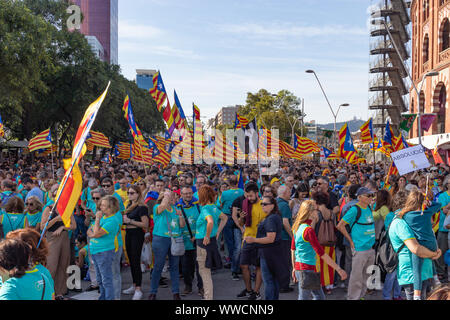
(363, 190)
(433, 168)
(274, 180)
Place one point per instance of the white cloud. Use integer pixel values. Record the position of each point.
(289, 30)
(141, 32)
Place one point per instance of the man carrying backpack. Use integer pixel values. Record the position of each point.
(361, 236)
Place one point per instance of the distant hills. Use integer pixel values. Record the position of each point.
(353, 125)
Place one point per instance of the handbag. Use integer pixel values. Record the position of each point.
(177, 243)
(310, 280)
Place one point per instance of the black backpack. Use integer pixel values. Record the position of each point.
(386, 257)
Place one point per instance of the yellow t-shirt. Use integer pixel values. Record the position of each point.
(257, 216)
(124, 195)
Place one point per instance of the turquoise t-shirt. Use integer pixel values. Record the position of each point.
(121, 205)
(228, 196)
(12, 221)
(46, 273)
(160, 223)
(119, 218)
(86, 196)
(398, 233)
(389, 217)
(363, 236)
(283, 207)
(34, 219)
(210, 210)
(28, 287)
(108, 241)
(192, 214)
(444, 199)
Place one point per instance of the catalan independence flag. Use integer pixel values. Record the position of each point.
(135, 131)
(69, 190)
(346, 148)
(158, 92)
(305, 146)
(367, 132)
(240, 122)
(98, 139)
(2, 129)
(168, 117)
(42, 141)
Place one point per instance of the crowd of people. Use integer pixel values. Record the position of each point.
(315, 226)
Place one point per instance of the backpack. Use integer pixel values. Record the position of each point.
(325, 231)
(386, 257)
(358, 215)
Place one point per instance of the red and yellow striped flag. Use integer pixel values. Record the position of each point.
(42, 141)
(69, 190)
(98, 139)
(367, 132)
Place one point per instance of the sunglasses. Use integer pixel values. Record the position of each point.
(369, 195)
(95, 198)
(106, 185)
(131, 192)
(266, 204)
(29, 204)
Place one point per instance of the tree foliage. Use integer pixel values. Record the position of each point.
(281, 110)
(50, 76)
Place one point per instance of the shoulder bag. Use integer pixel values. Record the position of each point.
(177, 243)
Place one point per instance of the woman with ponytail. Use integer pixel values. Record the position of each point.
(305, 247)
(136, 221)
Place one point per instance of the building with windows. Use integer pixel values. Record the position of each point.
(144, 78)
(431, 52)
(227, 115)
(101, 20)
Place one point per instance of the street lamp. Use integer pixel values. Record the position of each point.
(334, 114)
(289, 120)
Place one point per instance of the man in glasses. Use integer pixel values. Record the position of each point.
(362, 239)
(323, 185)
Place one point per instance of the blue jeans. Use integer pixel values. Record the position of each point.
(235, 265)
(161, 249)
(103, 267)
(228, 236)
(304, 294)
(117, 277)
(409, 289)
(271, 285)
(391, 283)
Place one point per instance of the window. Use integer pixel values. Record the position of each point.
(445, 35)
(425, 52)
(426, 9)
(441, 113)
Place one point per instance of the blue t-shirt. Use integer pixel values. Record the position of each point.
(28, 287)
(444, 199)
(108, 241)
(119, 218)
(161, 220)
(13, 221)
(209, 210)
(363, 236)
(228, 196)
(399, 232)
(192, 211)
(286, 212)
(34, 219)
(46, 273)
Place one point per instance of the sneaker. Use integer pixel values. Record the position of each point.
(152, 296)
(342, 285)
(201, 292)
(234, 276)
(137, 295)
(176, 296)
(254, 296)
(244, 294)
(92, 288)
(399, 298)
(130, 290)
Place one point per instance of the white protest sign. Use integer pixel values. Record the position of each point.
(410, 159)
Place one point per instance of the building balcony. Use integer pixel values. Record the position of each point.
(444, 56)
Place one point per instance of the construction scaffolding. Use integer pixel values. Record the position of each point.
(388, 84)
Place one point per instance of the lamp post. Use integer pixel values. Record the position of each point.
(332, 111)
(428, 74)
(289, 120)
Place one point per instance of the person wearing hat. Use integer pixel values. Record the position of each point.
(361, 236)
(275, 183)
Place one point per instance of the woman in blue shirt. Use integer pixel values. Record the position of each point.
(33, 210)
(168, 222)
(103, 244)
(13, 217)
(207, 232)
(19, 280)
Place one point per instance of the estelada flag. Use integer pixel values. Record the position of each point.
(367, 132)
(69, 190)
(42, 141)
(436, 156)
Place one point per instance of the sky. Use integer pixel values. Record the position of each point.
(213, 52)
